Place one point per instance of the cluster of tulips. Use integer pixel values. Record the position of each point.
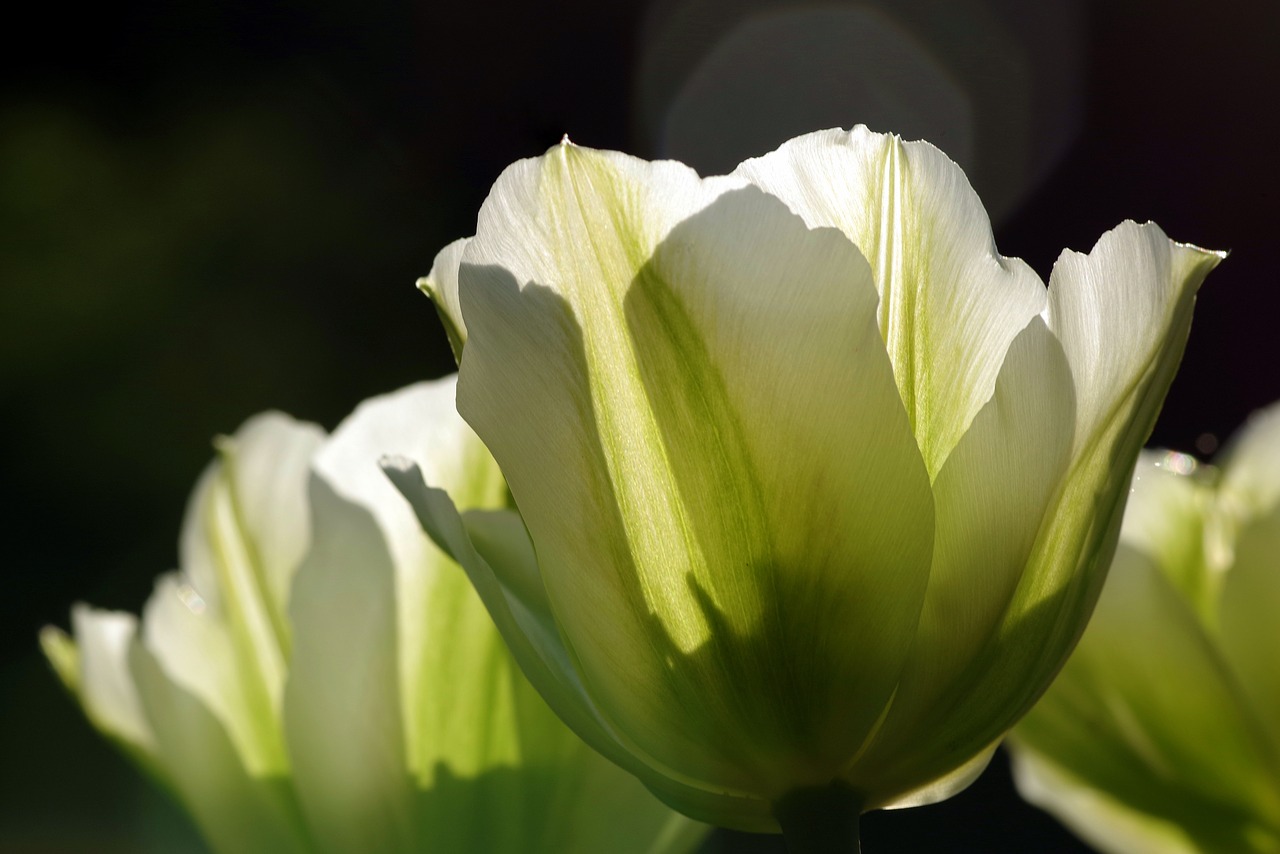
(759, 501)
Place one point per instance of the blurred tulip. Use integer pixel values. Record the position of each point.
(319, 677)
(819, 489)
(1162, 734)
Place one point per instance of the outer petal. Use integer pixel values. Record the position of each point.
(1165, 519)
(947, 786)
(245, 529)
(1247, 518)
(220, 631)
(420, 423)
(702, 499)
(992, 495)
(441, 284)
(1105, 823)
(950, 305)
(1251, 465)
(201, 652)
(1144, 676)
(238, 812)
(1121, 315)
(507, 580)
(1248, 624)
(95, 668)
(342, 705)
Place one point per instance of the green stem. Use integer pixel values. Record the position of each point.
(820, 820)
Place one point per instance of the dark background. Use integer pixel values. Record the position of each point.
(211, 209)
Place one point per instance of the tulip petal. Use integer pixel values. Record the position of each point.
(1122, 313)
(1247, 623)
(704, 496)
(441, 285)
(200, 652)
(421, 423)
(243, 536)
(1144, 675)
(1105, 823)
(1251, 464)
(991, 495)
(521, 615)
(342, 705)
(947, 786)
(238, 812)
(244, 533)
(950, 305)
(95, 668)
(61, 653)
(1164, 518)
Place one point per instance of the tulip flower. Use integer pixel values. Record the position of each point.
(819, 489)
(319, 677)
(1162, 733)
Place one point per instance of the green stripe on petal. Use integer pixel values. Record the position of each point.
(531, 635)
(421, 423)
(200, 651)
(704, 496)
(950, 304)
(243, 536)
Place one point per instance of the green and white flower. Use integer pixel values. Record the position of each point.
(819, 489)
(1162, 734)
(319, 677)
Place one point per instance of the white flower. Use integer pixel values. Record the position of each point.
(819, 488)
(319, 677)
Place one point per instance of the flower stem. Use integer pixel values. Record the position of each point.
(820, 820)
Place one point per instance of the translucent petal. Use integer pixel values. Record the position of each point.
(1148, 712)
(1165, 520)
(420, 423)
(1121, 315)
(110, 699)
(441, 284)
(238, 812)
(950, 304)
(1105, 823)
(202, 653)
(220, 630)
(1251, 464)
(342, 708)
(992, 496)
(510, 592)
(1248, 624)
(947, 786)
(704, 496)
